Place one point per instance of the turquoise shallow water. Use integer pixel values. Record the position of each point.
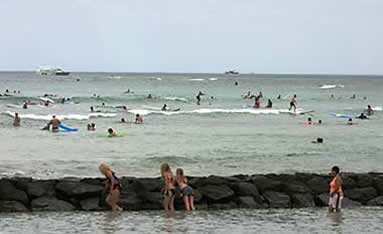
(218, 137)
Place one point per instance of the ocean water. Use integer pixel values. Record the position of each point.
(363, 220)
(218, 137)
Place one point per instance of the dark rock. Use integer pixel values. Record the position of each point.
(12, 206)
(295, 187)
(300, 200)
(50, 204)
(248, 202)
(319, 185)
(348, 182)
(21, 183)
(197, 196)
(41, 188)
(93, 181)
(378, 201)
(277, 199)
(378, 184)
(363, 180)
(246, 189)
(201, 206)
(361, 194)
(347, 203)
(91, 204)
(263, 183)
(78, 189)
(216, 192)
(322, 199)
(8, 192)
(151, 184)
(222, 206)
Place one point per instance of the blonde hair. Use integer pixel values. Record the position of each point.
(165, 168)
(105, 167)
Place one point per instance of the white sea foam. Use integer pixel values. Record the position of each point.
(197, 79)
(61, 117)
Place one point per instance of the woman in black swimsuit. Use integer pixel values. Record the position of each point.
(113, 186)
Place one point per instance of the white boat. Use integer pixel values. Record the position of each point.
(52, 72)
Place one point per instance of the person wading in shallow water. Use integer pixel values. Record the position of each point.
(336, 192)
(112, 187)
(169, 190)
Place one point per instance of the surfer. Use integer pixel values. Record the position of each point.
(336, 192)
(112, 187)
(293, 103)
(111, 132)
(55, 124)
(362, 116)
(370, 111)
(164, 107)
(139, 119)
(257, 103)
(269, 104)
(16, 120)
(246, 96)
(198, 97)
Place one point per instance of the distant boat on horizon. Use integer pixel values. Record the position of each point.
(52, 72)
(231, 72)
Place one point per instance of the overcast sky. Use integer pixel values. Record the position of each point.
(262, 36)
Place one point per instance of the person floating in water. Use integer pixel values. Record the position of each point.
(164, 107)
(319, 122)
(149, 96)
(111, 133)
(318, 141)
(336, 192)
(122, 120)
(93, 127)
(139, 119)
(350, 122)
(370, 111)
(247, 96)
(169, 189)
(309, 121)
(186, 190)
(362, 116)
(112, 187)
(16, 120)
(89, 127)
(54, 123)
(198, 97)
(293, 103)
(25, 105)
(269, 104)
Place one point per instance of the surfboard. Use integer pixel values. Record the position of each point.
(119, 134)
(67, 129)
(14, 106)
(160, 109)
(47, 99)
(344, 116)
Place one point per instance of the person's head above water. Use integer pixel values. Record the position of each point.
(319, 121)
(122, 120)
(335, 170)
(16, 114)
(309, 119)
(137, 115)
(369, 106)
(53, 116)
(110, 131)
(320, 140)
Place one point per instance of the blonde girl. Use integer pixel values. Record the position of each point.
(112, 187)
(169, 189)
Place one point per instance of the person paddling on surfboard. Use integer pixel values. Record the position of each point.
(55, 124)
(293, 103)
(164, 107)
(112, 133)
(139, 119)
(269, 104)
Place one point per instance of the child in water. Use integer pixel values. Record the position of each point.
(186, 190)
(169, 189)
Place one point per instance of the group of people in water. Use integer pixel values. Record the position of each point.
(113, 188)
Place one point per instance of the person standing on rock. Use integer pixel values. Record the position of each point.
(169, 190)
(186, 190)
(336, 192)
(113, 186)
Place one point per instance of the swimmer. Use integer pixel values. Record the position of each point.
(112, 187)
(55, 124)
(25, 105)
(169, 190)
(279, 97)
(236, 83)
(293, 103)
(103, 104)
(93, 125)
(248, 95)
(319, 122)
(185, 189)
(16, 120)
(257, 103)
(362, 116)
(139, 119)
(353, 96)
(336, 192)
(164, 107)
(332, 96)
(350, 122)
(111, 132)
(318, 141)
(91, 109)
(198, 97)
(269, 104)
(89, 127)
(149, 96)
(370, 111)
(309, 121)
(122, 120)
